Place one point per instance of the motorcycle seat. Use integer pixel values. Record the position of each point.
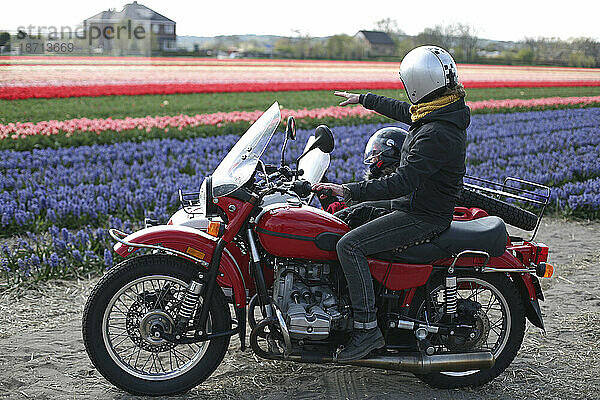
(484, 234)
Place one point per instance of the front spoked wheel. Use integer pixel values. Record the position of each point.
(126, 310)
(491, 303)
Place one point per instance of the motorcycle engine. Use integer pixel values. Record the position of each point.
(303, 292)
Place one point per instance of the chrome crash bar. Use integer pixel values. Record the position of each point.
(119, 235)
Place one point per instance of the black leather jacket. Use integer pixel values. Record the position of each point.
(428, 181)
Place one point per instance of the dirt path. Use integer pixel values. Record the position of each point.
(42, 354)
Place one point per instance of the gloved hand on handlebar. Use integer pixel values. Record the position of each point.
(325, 189)
(328, 196)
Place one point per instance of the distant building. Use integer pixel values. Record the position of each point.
(135, 30)
(376, 43)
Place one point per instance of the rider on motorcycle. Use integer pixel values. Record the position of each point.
(430, 175)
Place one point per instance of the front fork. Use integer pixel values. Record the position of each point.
(211, 282)
(189, 304)
(259, 277)
(196, 290)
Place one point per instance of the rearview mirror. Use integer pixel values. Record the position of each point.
(323, 141)
(290, 133)
(290, 128)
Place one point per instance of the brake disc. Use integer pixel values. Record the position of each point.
(469, 313)
(142, 327)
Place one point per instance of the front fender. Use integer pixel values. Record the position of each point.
(197, 244)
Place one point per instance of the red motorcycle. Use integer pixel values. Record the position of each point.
(248, 247)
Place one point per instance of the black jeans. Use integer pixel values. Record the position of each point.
(394, 230)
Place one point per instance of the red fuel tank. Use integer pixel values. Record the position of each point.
(300, 232)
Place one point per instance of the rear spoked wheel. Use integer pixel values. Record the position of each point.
(491, 303)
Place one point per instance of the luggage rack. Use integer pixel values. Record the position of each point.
(189, 202)
(506, 190)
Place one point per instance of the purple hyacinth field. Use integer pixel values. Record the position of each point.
(55, 204)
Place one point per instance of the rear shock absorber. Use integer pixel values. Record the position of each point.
(187, 308)
(450, 294)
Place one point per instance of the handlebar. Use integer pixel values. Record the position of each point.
(299, 187)
(284, 172)
(302, 188)
(324, 192)
(287, 182)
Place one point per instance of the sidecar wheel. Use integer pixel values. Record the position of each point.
(127, 305)
(501, 320)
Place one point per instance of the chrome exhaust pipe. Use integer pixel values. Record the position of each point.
(414, 362)
(423, 364)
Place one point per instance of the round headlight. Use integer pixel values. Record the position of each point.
(202, 196)
(206, 197)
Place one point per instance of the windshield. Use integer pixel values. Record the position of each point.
(239, 164)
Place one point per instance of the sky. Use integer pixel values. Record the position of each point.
(510, 20)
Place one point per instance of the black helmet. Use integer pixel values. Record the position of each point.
(384, 149)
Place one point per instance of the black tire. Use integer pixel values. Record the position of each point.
(507, 344)
(511, 214)
(110, 295)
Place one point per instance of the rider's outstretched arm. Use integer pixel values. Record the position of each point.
(392, 108)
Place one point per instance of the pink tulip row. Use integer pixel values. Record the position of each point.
(69, 127)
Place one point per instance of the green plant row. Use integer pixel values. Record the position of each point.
(118, 107)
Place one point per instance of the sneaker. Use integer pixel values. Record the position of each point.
(361, 343)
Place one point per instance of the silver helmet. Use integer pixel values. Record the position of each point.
(426, 71)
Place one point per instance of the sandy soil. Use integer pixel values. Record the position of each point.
(42, 353)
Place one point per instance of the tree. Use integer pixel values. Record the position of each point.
(302, 45)
(525, 55)
(589, 47)
(579, 59)
(554, 51)
(466, 40)
(389, 26)
(4, 38)
(317, 49)
(284, 47)
(459, 39)
(404, 46)
(437, 36)
(343, 47)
